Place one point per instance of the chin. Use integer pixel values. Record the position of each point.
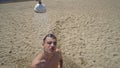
(51, 51)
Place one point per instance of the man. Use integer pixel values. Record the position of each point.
(50, 57)
(39, 7)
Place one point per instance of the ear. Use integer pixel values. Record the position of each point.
(42, 45)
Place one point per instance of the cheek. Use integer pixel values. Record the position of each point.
(45, 46)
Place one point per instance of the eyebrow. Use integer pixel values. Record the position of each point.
(49, 42)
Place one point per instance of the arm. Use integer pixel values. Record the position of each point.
(60, 64)
(36, 63)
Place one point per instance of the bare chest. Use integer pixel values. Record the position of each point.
(52, 63)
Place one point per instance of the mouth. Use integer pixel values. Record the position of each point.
(52, 49)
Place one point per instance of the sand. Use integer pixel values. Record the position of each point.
(88, 32)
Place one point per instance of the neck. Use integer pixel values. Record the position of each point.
(48, 56)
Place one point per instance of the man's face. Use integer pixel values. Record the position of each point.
(50, 45)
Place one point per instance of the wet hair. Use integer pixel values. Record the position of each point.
(49, 35)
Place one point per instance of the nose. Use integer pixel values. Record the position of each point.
(52, 44)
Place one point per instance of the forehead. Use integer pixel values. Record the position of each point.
(50, 39)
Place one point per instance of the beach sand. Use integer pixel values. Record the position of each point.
(88, 32)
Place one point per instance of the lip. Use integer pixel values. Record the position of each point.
(52, 49)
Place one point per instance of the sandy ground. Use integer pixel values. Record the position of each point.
(88, 32)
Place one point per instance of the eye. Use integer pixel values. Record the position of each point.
(49, 42)
(54, 43)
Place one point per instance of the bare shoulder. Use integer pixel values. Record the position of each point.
(36, 60)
